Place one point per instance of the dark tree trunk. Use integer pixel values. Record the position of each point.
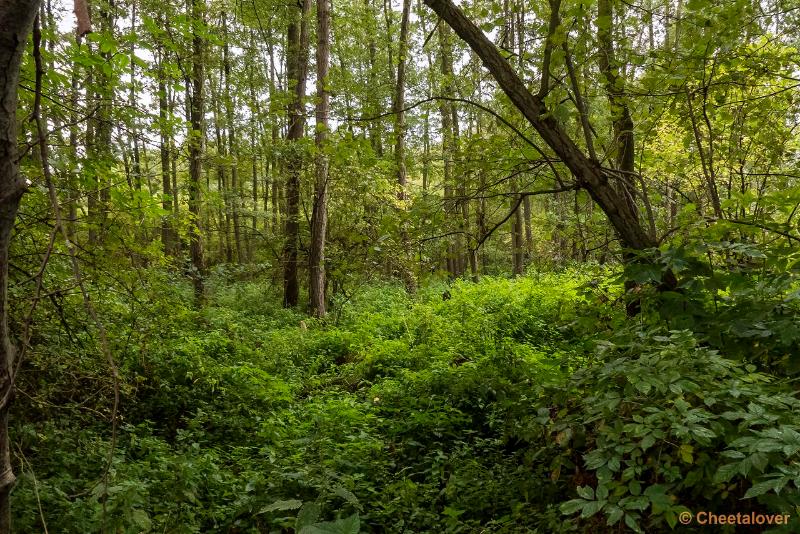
(196, 137)
(296, 68)
(16, 19)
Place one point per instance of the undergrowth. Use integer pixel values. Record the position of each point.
(524, 405)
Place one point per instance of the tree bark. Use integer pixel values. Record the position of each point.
(319, 216)
(233, 147)
(168, 236)
(102, 156)
(400, 102)
(445, 110)
(16, 19)
(623, 146)
(196, 138)
(222, 181)
(296, 69)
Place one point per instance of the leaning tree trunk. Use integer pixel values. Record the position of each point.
(16, 20)
(587, 171)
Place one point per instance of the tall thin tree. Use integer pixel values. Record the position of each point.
(16, 20)
(296, 70)
(196, 144)
(319, 216)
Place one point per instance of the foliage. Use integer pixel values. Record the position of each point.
(489, 409)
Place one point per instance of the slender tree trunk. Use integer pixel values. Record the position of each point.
(296, 68)
(445, 110)
(16, 19)
(103, 154)
(426, 151)
(319, 216)
(196, 137)
(233, 147)
(273, 160)
(72, 206)
(255, 136)
(167, 235)
(223, 186)
(526, 216)
(517, 245)
(400, 103)
(622, 122)
(375, 127)
(137, 167)
(173, 164)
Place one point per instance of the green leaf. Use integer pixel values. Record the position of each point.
(632, 524)
(587, 492)
(347, 495)
(572, 506)
(142, 520)
(592, 507)
(308, 515)
(348, 525)
(615, 515)
(726, 472)
(685, 451)
(291, 504)
(763, 487)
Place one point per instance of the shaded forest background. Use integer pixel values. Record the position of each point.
(511, 266)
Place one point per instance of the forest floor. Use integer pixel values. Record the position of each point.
(460, 409)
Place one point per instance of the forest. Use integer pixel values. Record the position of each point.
(430, 266)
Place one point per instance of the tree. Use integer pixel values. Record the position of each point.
(196, 142)
(233, 146)
(16, 20)
(319, 216)
(296, 71)
(588, 172)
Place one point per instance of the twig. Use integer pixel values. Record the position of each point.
(764, 227)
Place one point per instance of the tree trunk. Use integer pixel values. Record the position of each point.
(445, 110)
(400, 102)
(233, 147)
(222, 180)
(102, 156)
(168, 236)
(319, 216)
(296, 67)
(622, 123)
(196, 137)
(517, 246)
(588, 172)
(16, 19)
